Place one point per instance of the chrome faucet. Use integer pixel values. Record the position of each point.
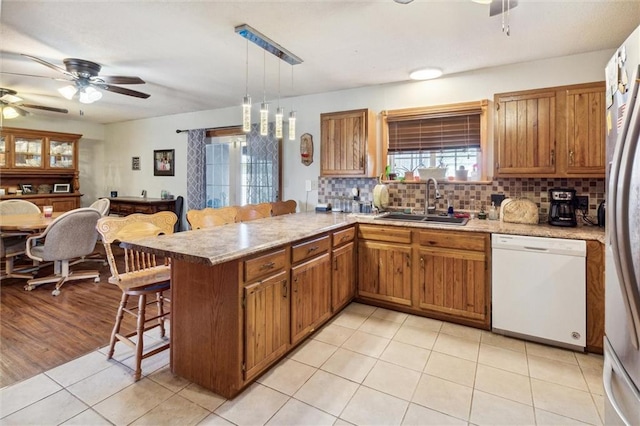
(427, 208)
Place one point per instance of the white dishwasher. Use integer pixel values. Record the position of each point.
(538, 289)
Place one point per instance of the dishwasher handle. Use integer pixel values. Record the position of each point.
(540, 249)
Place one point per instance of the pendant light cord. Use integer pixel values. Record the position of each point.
(264, 77)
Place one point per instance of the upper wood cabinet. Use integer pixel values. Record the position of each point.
(551, 132)
(525, 133)
(348, 143)
(586, 130)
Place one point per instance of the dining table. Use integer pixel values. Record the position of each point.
(26, 222)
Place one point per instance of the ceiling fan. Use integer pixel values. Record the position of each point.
(85, 79)
(12, 106)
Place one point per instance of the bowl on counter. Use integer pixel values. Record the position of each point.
(438, 173)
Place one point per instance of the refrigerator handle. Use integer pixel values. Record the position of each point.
(611, 364)
(619, 190)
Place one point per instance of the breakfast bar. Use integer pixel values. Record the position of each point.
(244, 295)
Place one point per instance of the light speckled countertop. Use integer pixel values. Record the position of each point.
(229, 242)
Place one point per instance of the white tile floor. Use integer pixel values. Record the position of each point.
(368, 366)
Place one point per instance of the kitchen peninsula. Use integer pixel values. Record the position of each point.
(243, 295)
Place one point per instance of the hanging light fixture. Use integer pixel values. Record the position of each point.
(292, 115)
(9, 112)
(279, 110)
(281, 53)
(264, 106)
(246, 101)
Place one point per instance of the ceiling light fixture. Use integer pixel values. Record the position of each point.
(403, 1)
(292, 115)
(279, 110)
(264, 106)
(68, 91)
(9, 113)
(425, 74)
(246, 101)
(482, 1)
(89, 95)
(281, 53)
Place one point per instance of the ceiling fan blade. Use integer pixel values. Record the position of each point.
(495, 8)
(121, 79)
(38, 76)
(52, 66)
(46, 108)
(122, 90)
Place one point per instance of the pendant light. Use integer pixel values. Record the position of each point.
(246, 101)
(279, 110)
(264, 106)
(292, 114)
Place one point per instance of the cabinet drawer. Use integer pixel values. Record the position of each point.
(384, 233)
(451, 239)
(264, 265)
(344, 236)
(309, 249)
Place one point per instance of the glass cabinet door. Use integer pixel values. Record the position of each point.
(61, 154)
(3, 151)
(27, 152)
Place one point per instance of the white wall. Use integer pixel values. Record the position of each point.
(115, 146)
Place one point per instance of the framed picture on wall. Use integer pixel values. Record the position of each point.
(164, 162)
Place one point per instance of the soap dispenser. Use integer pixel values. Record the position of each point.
(493, 212)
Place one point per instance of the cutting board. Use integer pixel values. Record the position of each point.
(381, 196)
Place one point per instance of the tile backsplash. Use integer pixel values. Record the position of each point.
(412, 194)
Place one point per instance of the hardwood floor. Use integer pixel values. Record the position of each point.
(39, 331)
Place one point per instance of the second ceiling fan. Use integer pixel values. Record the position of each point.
(85, 78)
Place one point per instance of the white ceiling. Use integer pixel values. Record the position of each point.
(192, 60)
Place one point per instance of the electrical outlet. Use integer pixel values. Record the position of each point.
(583, 202)
(307, 185)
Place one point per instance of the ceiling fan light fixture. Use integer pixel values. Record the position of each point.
(403, 1)
(9, 112)
(89, 95)
(68, 91)
(425, 74)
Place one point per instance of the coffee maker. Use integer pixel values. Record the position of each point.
(562, 208)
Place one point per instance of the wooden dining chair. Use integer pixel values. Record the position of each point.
(254, 211)
(210, 217)
(138, 274)
(283, 207)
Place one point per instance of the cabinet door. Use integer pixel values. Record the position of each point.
(28, 152)
(311, 296)
(453, 282)
(384, 272)
(344, 144)
(343, 276)
(4, 152)
(62, 154)
(525, 134)
(586, 131)
(266, 323)
(64, 204)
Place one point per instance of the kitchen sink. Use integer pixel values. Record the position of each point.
(431, 218)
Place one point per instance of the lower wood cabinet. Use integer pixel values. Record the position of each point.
(266, 322)
(310, 296)
(435, 273)
(343, 276)
(384, 272)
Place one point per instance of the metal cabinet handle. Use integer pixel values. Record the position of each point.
(335, 264)
(421, 262)
(571, 157)
(284, 289)
(269, 265)
(553, 157)
(312, 249)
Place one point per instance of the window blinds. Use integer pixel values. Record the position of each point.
(448, 130)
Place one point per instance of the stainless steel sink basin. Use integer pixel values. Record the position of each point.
(459, 221)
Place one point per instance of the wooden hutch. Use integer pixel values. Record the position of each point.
(44, 165)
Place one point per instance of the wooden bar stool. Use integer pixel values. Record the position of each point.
(143, 276)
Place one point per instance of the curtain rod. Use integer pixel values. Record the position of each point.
(231, 130)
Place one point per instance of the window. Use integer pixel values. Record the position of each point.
(241, 169)
(451, 136)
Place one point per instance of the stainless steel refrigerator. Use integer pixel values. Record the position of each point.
(621, 374)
